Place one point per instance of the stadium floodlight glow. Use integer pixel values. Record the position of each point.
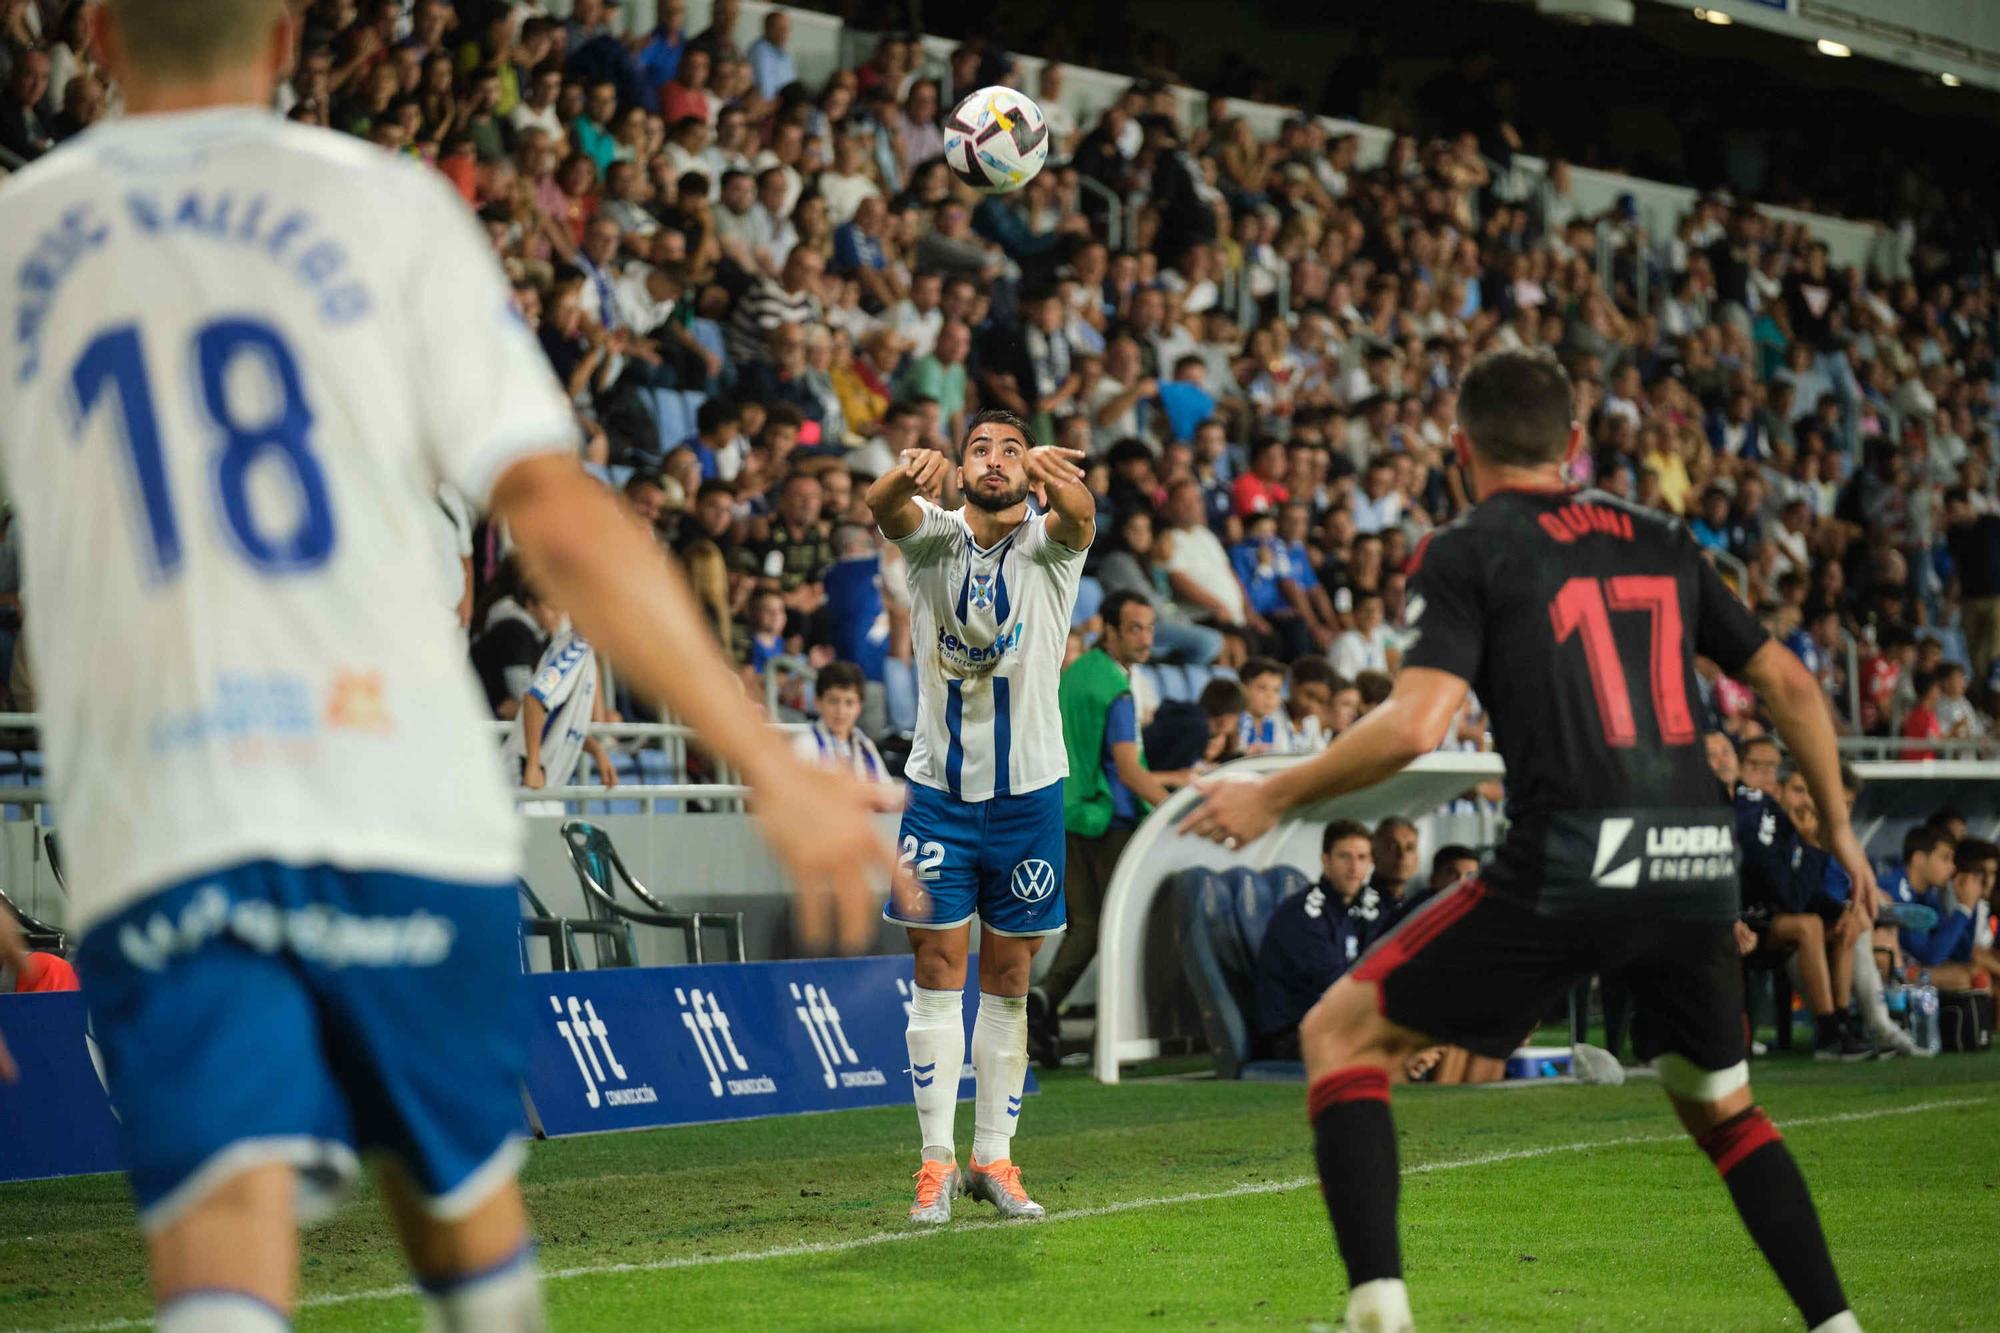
(1828, 47)
(1950, 80)
(1715, 16)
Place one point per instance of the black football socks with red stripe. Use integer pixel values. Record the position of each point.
(1354, 1141)
(1777, 1209)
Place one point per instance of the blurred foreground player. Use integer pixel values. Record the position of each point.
(239, 357)
(1577, 618)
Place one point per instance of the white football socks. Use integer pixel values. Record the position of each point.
(1844, 1322)
(215, 1310)
(936, 1037)
(1381, 1306)
(1868, 991)
(1000, 1064)
(504, 1299)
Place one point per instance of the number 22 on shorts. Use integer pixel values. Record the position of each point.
(924, 859)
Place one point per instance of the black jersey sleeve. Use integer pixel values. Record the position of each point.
(1448, 629)
(1724, 630)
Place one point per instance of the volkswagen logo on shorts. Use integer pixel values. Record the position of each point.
(1034, 881)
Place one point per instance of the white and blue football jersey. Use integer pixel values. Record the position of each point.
(989, 628)
(237, 358)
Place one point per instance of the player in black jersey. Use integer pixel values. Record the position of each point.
(1577, 618)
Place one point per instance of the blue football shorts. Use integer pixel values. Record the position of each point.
(1000, 860)
(274, 1013)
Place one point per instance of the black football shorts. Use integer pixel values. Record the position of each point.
(1474, 970)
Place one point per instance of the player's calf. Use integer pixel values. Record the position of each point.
(1764, 1183)
(1348, 1047)
(477, 1268)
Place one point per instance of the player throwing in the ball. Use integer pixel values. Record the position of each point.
(1577, 618)
(991, 587)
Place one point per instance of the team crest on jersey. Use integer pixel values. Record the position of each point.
(982, 592)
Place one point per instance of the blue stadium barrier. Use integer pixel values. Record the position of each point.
(622, 1048)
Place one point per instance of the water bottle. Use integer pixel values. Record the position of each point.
(1896, 997)
(1924, 1015)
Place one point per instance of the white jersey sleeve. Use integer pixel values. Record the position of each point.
(935, 538)
(486, 394)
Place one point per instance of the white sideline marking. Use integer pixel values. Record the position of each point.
(810, 1249)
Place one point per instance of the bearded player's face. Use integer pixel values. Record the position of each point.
(994, 470)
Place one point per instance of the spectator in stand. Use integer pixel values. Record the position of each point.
(1309, 704)
(770, 63)
(1316, 935)
(1371, 645)
(1185, 399)
(1921, 722)
(941, 376)
(1973, 539)
(1956, 716)
(1262, 488)
(1263, 728)
(1198, 568)
(834, 740)
(23, 131)
(789, 299)
(686, 95)
(1131, 564)
(1263, 566)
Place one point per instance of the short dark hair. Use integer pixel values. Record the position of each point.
(1113, 606)
(998, 416)
(1923, 839)
(716, 412)
(840, 676)
(1313, 669)
(1260, 666)
(1749, 743)
(1222, 697)
(1971, 851)
(1449, 853)
(716, 486)
(1375, 686)
(1516, 408)
(638, 481)
(1340, 830)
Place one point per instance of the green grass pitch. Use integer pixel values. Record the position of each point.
(1175, 1204)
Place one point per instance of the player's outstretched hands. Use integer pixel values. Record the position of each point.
(927, 469)
(1233, 811)
(819, 824)
(1051, 466)
(14, 954)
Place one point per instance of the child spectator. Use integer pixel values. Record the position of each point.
(1263, 726)
(1921, 722)
(835, 740)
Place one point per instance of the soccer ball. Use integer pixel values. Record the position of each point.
(996, 140)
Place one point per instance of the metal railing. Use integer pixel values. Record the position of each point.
(1901, 747)
(672, 738)
(1114, 217)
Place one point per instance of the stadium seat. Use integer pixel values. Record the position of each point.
(614, 938)
(670, 415)
(1174, 683)
(1198, 678)
(599, 872)
(619, 474)
(1089, 596)
(691, 401)
(1213, 908)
